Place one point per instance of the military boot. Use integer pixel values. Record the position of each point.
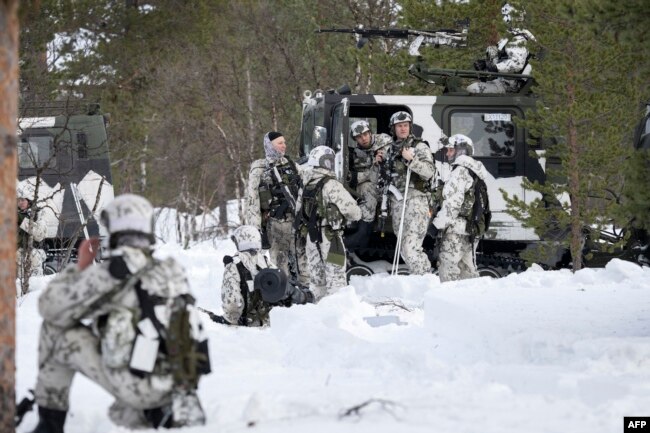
(50, 420)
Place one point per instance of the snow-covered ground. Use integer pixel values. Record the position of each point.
(542, 351)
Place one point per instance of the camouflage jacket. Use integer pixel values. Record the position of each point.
(73, 295)
(453, 194)
(422, 167)
(334, 193)
(232, 301)
(363, 159)
(260, 177)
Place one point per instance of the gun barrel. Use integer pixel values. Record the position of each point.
(395, 33)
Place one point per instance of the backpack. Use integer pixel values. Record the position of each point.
(311, 211)
(176, 343)
(255, 309)
(479, 215)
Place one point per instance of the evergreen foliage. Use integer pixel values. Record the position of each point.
(191, 88)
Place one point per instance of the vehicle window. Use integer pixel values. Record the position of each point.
(337, 127)
(307, 129)
(493, 134)
(35, 151)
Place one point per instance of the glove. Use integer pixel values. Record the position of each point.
(480, 65)
(301, 296)
(491, 67)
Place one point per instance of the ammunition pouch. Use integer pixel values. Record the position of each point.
(336, 253)
(420, 184)
(265, 199)
(468, 204)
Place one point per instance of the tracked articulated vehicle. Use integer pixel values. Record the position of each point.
(488, 119)
(64, 160)
(502, 146)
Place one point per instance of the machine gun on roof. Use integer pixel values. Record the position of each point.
(450, 37)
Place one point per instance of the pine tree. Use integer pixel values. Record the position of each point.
(585, 85)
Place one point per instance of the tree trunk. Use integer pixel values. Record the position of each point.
(8, 165)
(575, 194)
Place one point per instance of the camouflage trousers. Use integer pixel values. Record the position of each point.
(324, 277)
(64, 352)
(368, 191)
(32, 260)
(287, 253)
(416, 221)
(457, 259)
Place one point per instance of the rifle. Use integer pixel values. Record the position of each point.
(436, 37)
(387, 186)
(286, 192)
(215, 317)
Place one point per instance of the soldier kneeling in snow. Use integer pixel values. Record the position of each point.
(252, 285)
(127, 324)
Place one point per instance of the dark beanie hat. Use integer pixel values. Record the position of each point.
(273, 135)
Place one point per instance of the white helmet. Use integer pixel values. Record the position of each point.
(321, 156)
(399, 117)
(26, 191)
(358, 128)
(247, 238)
(129, 214)
(462, 143)
(512, 13)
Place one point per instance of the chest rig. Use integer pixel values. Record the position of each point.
(272, 188)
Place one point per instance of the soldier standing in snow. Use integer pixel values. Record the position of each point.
(31, 231)
(510, 55)
(457, 250)
(364, 175)
(110, 298)
(325, 207)
(242, 303)
(410, 153)
(271, 193)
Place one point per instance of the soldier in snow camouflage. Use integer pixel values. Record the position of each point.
(510, 55)
(415, 154)
(325, 207)
(238, 300)
(363, 176)
(103, 296)
(270, 210)
(242, 302)
(456, 260)
(31, 231)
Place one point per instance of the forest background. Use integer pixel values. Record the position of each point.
(191, 87)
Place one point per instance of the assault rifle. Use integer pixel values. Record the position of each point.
(386, 184)
(436, 37)
(286, 192)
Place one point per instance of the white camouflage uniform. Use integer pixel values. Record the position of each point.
(28, 255)
(509, 56)
(279, 230)
(418, 204)
(232, 300)
(67, 346)
(456, 260)
(368, 174)
(325, 276)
